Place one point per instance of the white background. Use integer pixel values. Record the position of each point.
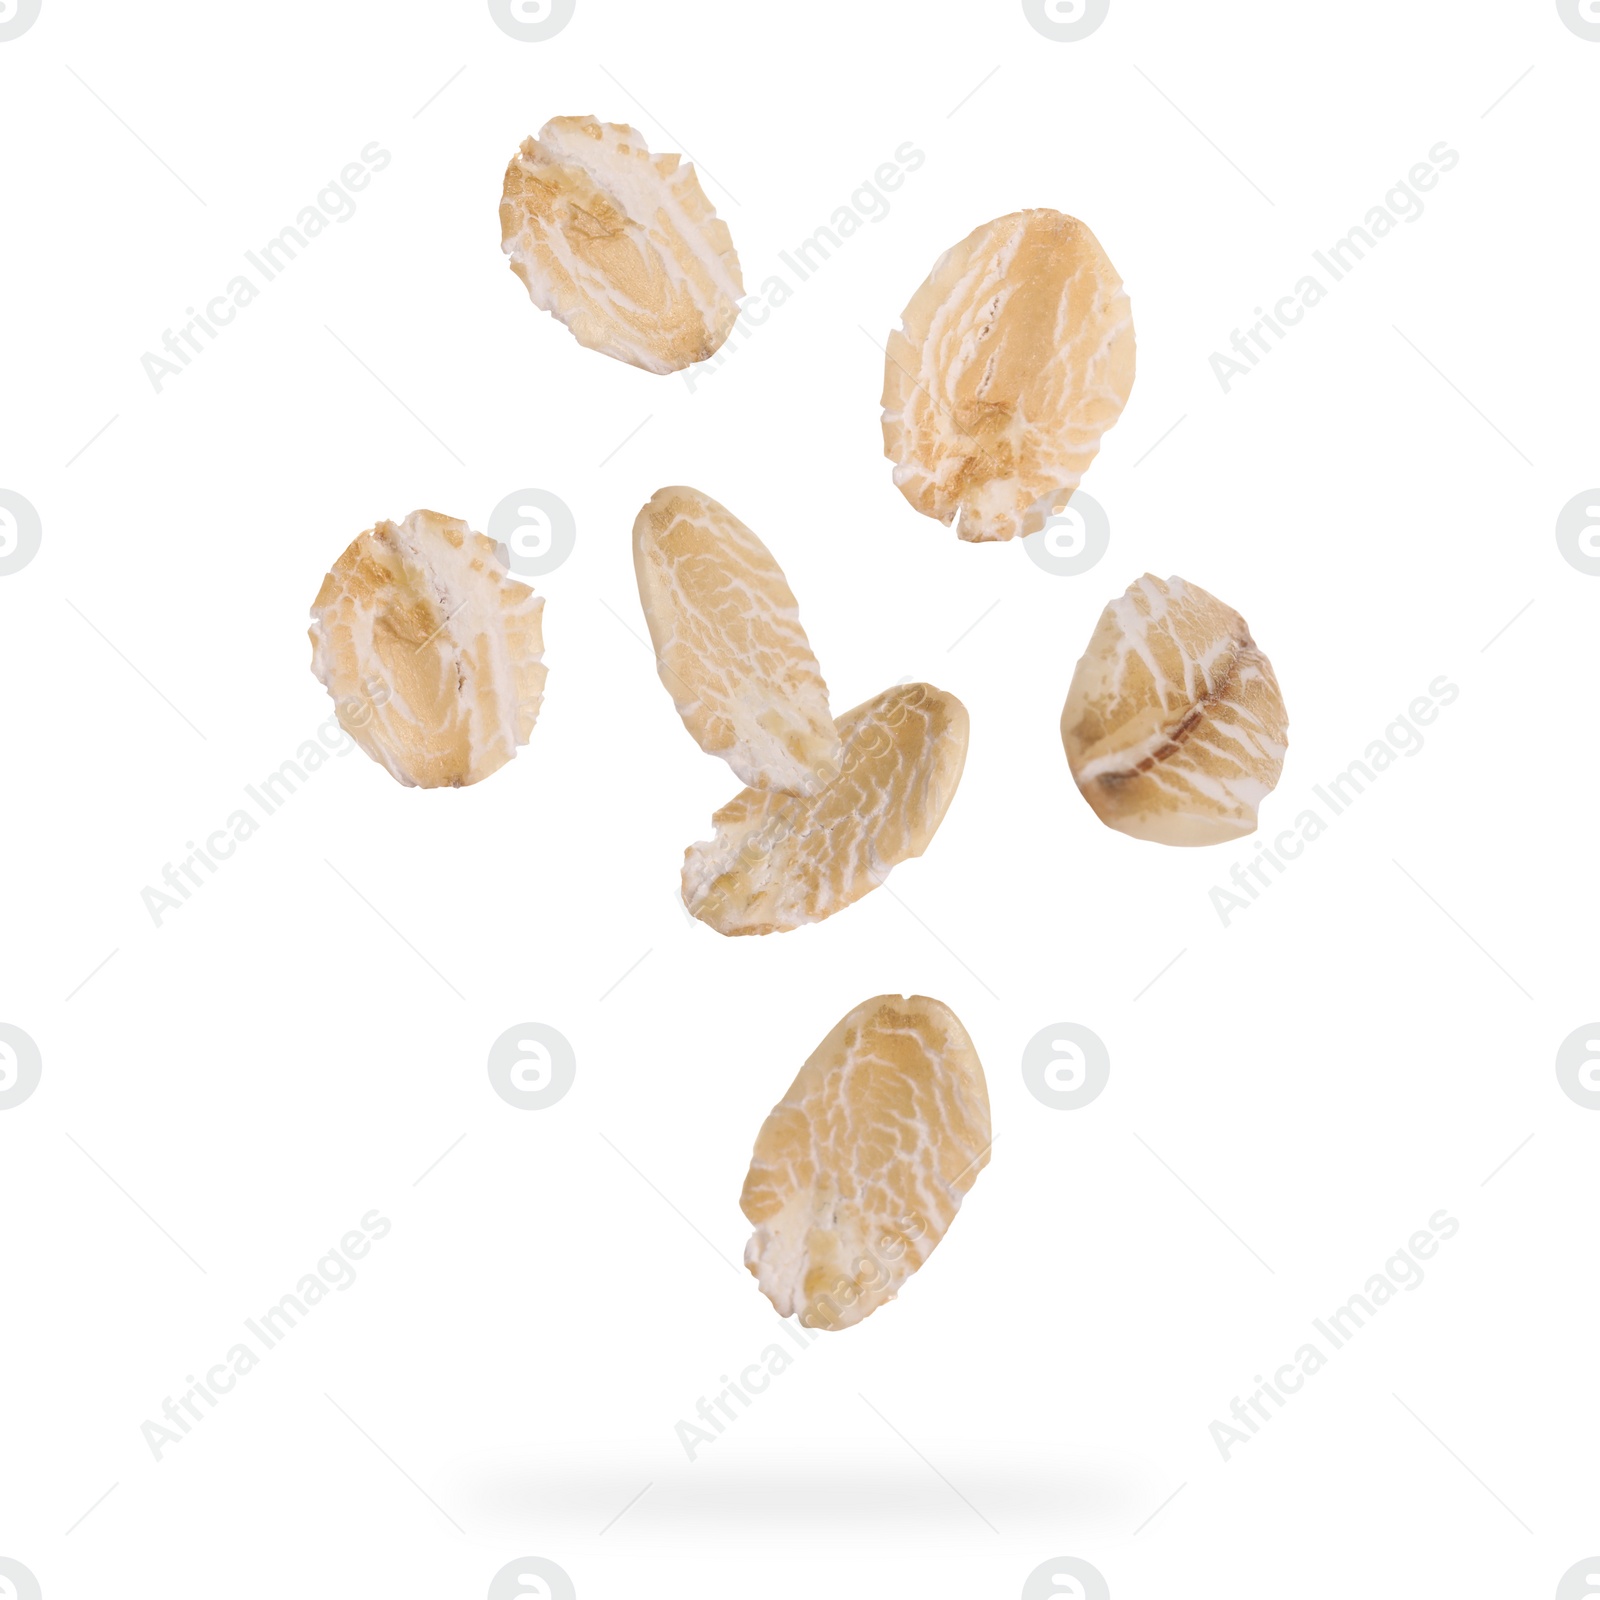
(1290, 1099)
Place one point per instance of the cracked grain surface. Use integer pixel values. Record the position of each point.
(780, 861)
(729, 645)
(433, 656)
(1174, 725)
(1013, 359)
(861, 1167)
(620, 245)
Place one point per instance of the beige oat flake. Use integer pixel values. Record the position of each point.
(859, 1171)
(620, 245)
(1013, 359)
(433, 656)
(1174, 725)
(729, 645)
(780, 861)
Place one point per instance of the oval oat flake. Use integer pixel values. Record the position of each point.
(729, 645)
(1174, 725)
(433, 655)
(860, 1169)
(620, 245)
(1013, 359)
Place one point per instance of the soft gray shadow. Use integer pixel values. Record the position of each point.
(765, 1495)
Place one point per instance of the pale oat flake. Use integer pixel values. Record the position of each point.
(433, 655)
(1014, 358)
(780, 861)
(729, 645)
(1174, 725)
(860, 1169)
(620, 245)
